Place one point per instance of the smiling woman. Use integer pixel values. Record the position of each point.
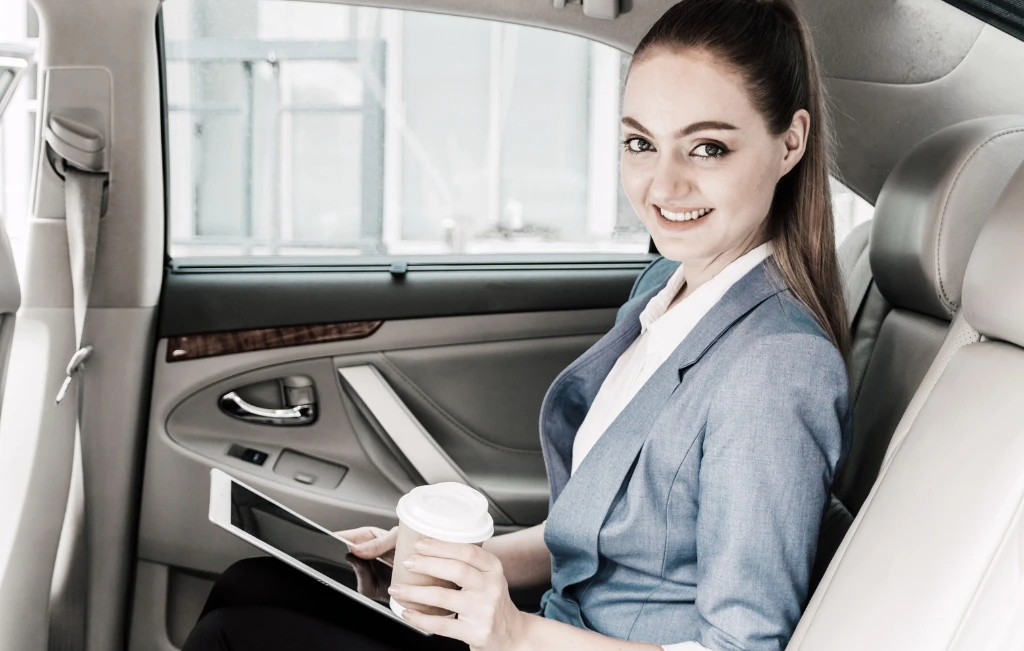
(708, 178)
(690, 452)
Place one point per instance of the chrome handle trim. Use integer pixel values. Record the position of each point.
(234, 405)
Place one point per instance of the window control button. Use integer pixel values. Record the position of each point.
(305, 478)
(254, 456)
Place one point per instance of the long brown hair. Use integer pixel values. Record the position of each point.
(770, 45)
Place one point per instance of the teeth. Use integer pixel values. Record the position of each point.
(684, 216)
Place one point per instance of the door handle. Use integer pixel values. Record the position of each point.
(234, 405)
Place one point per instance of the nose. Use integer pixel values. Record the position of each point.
(671, 182)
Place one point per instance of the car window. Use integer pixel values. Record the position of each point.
(19, 36)
(849, 209)
(324, 129)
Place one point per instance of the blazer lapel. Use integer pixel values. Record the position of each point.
(573, 391)
(582, 507)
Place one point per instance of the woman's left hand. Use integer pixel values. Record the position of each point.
(487, 618)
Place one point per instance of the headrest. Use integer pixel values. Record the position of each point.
(994, 286)
(933, 206)
(10, 289)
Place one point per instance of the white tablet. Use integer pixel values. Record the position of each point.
(300, 542)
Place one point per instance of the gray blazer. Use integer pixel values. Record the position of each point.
(696, 514)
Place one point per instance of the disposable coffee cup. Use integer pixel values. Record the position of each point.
(448, 511)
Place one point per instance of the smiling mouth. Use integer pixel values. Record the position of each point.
(687, 216)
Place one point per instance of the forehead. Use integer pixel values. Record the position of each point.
(669, 90)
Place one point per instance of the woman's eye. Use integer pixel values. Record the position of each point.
(709, 150)
(636, 145)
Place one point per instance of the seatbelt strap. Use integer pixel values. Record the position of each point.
(83, 202)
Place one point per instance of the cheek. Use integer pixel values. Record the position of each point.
(747, 192)
(636, 180)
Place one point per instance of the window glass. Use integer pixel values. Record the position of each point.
(307, 128)
(849, 210)
(19, 31)
(302, 128)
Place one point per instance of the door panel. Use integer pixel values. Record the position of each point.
(198, 299)
(473, 382)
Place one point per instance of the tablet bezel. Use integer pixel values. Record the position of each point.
(220, 515)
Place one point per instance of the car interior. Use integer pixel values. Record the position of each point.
(341, 249)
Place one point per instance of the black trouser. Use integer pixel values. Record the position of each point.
(262, 603)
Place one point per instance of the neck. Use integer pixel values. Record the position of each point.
(699, 271)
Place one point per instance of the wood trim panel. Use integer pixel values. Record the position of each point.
(185, 347)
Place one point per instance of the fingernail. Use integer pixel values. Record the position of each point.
(408, 563)
(393, 590)
(421, 545)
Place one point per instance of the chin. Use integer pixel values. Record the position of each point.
(673, 249)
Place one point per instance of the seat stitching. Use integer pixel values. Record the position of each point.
(947, 301)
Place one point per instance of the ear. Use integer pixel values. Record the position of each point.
(795, 141)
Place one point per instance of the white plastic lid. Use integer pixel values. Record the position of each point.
(447, 511)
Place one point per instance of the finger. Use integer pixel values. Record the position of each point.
(472, 555)
(444, 626)
(360, 535)
(370, 549)
(459, 573)
(456, 601)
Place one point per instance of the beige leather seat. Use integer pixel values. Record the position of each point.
(927, 219)
(10, 301)
(935, 558)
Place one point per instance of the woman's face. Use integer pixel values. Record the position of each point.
(698, 163)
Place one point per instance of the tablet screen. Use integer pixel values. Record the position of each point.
(294, 536)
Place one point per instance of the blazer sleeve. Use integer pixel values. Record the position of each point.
(773, 439)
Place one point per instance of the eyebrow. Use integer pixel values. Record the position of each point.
(706, 125)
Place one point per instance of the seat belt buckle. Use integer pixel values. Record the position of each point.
(75, 365)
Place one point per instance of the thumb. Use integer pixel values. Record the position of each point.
(371, 548)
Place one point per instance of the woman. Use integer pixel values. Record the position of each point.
(690, 452)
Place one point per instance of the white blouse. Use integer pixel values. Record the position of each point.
(661, 331)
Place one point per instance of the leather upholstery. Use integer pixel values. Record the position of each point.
(932, 207)
(906, 346)
(865, 305)
(917, 230)
(994, 303)
(932, 561)
(856, 270)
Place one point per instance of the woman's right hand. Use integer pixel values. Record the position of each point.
(371, 542)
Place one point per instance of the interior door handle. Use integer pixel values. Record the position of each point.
(234, 405)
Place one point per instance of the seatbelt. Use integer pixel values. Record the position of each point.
(77, 148)
(83, 201)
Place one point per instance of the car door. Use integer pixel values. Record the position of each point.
(388, 232)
